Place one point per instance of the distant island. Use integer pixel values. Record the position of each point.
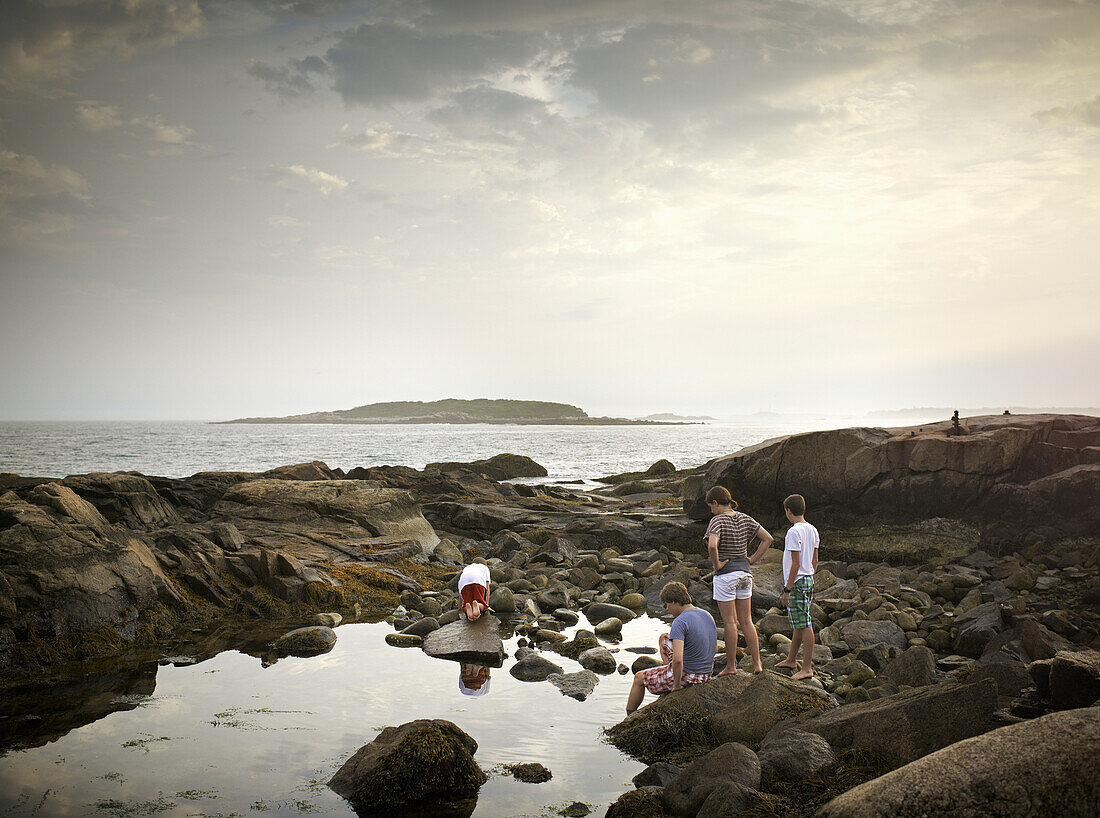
(666, 416)
(454, 410)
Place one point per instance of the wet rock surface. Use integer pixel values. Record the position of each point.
(419, 764)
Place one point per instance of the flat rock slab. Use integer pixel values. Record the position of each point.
(577, 685)
(464, 641)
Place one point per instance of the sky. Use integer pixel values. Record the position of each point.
(212, 210)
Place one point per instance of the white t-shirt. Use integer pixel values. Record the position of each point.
(474, 574)
(804, 539)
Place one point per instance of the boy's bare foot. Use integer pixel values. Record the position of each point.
(787, 665)
(802, 674)
(756, 671)
(728, 671)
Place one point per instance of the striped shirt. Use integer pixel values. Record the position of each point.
(735, 531)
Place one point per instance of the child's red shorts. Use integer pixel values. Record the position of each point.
(474, 593)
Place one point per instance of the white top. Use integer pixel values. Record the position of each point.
(474, 574)
(804, 539)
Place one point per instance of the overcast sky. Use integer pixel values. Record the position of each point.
(221, 209)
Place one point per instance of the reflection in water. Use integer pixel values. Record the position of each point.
(473, 680)
(38, 712)
(225, 735)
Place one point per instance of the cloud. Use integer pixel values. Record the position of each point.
(99, 117)
(292, 80)
(1086, 113)
(38, 199)
(45, 42)
(326, 183)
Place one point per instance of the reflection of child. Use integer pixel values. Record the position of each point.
(473, 587)
(473, 680)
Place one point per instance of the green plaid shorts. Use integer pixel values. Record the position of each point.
(798, 604)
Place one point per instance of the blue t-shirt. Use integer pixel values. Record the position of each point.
(696, 627)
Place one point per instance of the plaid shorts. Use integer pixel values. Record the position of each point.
(659, 679)
(798, 605)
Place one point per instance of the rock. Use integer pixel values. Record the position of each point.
(768, 699)
(910, 724)
(915, 667)
(227, 536)
(599, 611)
(422, 627)
(566, 616)
(862, 633)
(660, 468)
(656, 775)
(599, 660)
(316, 470)
(676, 725)
(502, 600)
(609, 627)
(644, 802)
(1045, 766)
(577, 685)
(498, 467)
(309, 641)
(530, 773)
(417, 764)
(977, 627)
(730, 763)
(447, 617)
(633, 601)
(771, 624)
(448, 553)
(728, 801)
(329, 620)
(795, 755)
(404, 640)
(644, 663)
(534, 668)
(1011, 677)
(1075, 679)
(128, 500)
(464, 641)
(67, 569)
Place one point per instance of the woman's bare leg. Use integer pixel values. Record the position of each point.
(729, 623)
(752, 640)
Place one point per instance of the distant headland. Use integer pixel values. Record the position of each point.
(454, 410)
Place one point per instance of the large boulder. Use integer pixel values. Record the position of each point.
(977, 627)
(907, 725)
(64, 568)
(304, 516)
(915, 667)
(729, 763)
(863, 633)
(465, 641)
(497, 467)
(1046, 766)
(309, 641)
(926, 471)
(417, 765)
(795, 755)
(1075, 679)
(768, 699)
(124, 499)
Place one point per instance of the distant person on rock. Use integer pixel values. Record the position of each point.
(473, 587)
(688, 649)
(799, 566)
(728, 537)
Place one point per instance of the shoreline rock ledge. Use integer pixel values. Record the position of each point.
(1010, 473)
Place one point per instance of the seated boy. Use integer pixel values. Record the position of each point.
(688, 649)
(473, 587)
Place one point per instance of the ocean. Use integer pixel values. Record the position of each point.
(180, 449)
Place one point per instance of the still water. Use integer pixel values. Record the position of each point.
(229, 737)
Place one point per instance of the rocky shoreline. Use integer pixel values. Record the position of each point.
(960, 575)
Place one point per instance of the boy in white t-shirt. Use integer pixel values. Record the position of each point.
(799, 564)
(473, 588)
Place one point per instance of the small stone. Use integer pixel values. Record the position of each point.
(404, 640)
(609, 626)
(529, 773)
(599, 660)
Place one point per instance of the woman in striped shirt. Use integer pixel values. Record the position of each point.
(728, 537)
